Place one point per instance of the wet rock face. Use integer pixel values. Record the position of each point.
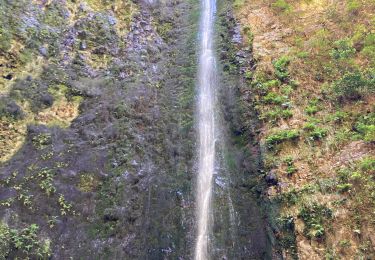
(239, 212)
(116, 182)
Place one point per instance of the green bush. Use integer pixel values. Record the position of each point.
(315, 132)
(290, 165)
(281, 136)
(287, 90)
(365, 125)
(274, 115)
(343, 49)
(274, 98)
(318, 133)
(281, 5)
(42, 140)
(5, 241)
(368, 50)
(314, 216)
(368, 165)
(344, 187)
(5, 38)
(350, 86)
(272, 83)
(281, 68)
(338, 117)
(353, 6)
(238, 3)
(311, 109)
(286, 113)
(24, 243)
(368, 132)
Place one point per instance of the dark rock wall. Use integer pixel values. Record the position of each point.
(120, 175)
(118, 183)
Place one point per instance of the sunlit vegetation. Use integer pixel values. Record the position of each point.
(331, 107)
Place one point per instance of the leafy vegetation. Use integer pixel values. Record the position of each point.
(290, 165)
(365, 125)
(281, 5)
(23, 243)
(314, 217)
(281, 68)
(332, 109)
(315, 132)
(281, 136)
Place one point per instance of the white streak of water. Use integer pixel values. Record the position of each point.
(207, 82)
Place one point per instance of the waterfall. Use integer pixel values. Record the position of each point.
(207, 82)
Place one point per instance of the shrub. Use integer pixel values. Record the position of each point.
(344, 187)
(238, 3)
(42, 140)
(46, 181)
(368, 165)
(368, 50)
(315, 132)
(290, 165)
(274, 98)
(344, 243)
(10, 109)
(281, 136)
(164, 30)
(353, 6)
(281, 68)
(272, 83)
(314, 216)
(5, 38)
(343, 49)
(368, 132)
(311, 109)
(281, 5)
(5, 241)
(25, 243)
(338, 117)
(88, 182)
(309, 126)
(65, 207)
(350, 86)
(287, 90)
(274, 115)
(365, 125)
(318, 133)
(286, 113)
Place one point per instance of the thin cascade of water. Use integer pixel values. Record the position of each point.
(207, 82)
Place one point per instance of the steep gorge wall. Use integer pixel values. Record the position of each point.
(313, 87)
(115, 179)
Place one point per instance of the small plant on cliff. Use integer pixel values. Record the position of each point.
(281, 5)
(281, 136)
(65, 207)
(42, 140)
(25, 243)
(281, 68)
(274, 98)
(354, 84)
(314, 132)
(46, 181)
(365, 126)
(343, 49)
(290, 165)
(314, 216)
(312, 107)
